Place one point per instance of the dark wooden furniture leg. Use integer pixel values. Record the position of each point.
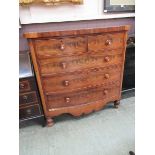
(116, 103)
(44, 122)
(49, 121)
(131, 153)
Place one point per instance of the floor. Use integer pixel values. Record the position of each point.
(107, 132)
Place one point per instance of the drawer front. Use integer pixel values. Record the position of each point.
(87, 78)
(24, 86)
(30, 111)
(83, 97)
(27, 84)
(105, 41)
(74, 63)
(59, 47)
(27, 98)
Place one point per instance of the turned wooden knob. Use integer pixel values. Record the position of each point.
(67, 99)
(66, 83)
(21, 85)
(105, 92)
(95, 69)
(63, 65)
(62, 46)
(108, 42)
(25, 97)
(106, 76)
(107, 59)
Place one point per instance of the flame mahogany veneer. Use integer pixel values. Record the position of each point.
(78, 71)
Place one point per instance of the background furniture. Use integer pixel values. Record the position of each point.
(129, 68)
(119, 6)
(29, 100)
(78, 71)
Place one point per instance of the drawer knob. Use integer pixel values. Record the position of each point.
(106, 76)
(105, 92)
(62, 47)
(29, 111)
(107, 59)
(66, 83)
(67, 99)
(25, 97)
(108, 42)
(63, 65)
(21, 85)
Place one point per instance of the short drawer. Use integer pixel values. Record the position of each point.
(27, 98)
(29, 111)
(105, 41)
(24, 86)
(74, 63)
(27, 84)
(59, 47)
(80, 80)
(84, 97)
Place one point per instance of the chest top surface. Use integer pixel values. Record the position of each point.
(75, 32)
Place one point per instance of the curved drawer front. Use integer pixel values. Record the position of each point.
(60, 47)
(74, 63)
(87, 78)
(83, 97)
(27, 98)
(105, 41)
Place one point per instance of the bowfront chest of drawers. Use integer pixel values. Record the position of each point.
(78, 71)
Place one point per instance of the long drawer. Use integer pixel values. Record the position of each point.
(105, 41)
(60, 46)
(29, 111)
(80, 80)
(74, 63)
(85, 96)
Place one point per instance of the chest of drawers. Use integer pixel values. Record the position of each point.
(29, 100)
(78, 71)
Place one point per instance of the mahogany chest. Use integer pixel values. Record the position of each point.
(78, 71)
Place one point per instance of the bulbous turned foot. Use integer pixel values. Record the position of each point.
(49, 122)
(116, 104)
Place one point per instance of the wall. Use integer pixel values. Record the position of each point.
(90, 10)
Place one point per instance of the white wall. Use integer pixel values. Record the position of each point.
(91, 9)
